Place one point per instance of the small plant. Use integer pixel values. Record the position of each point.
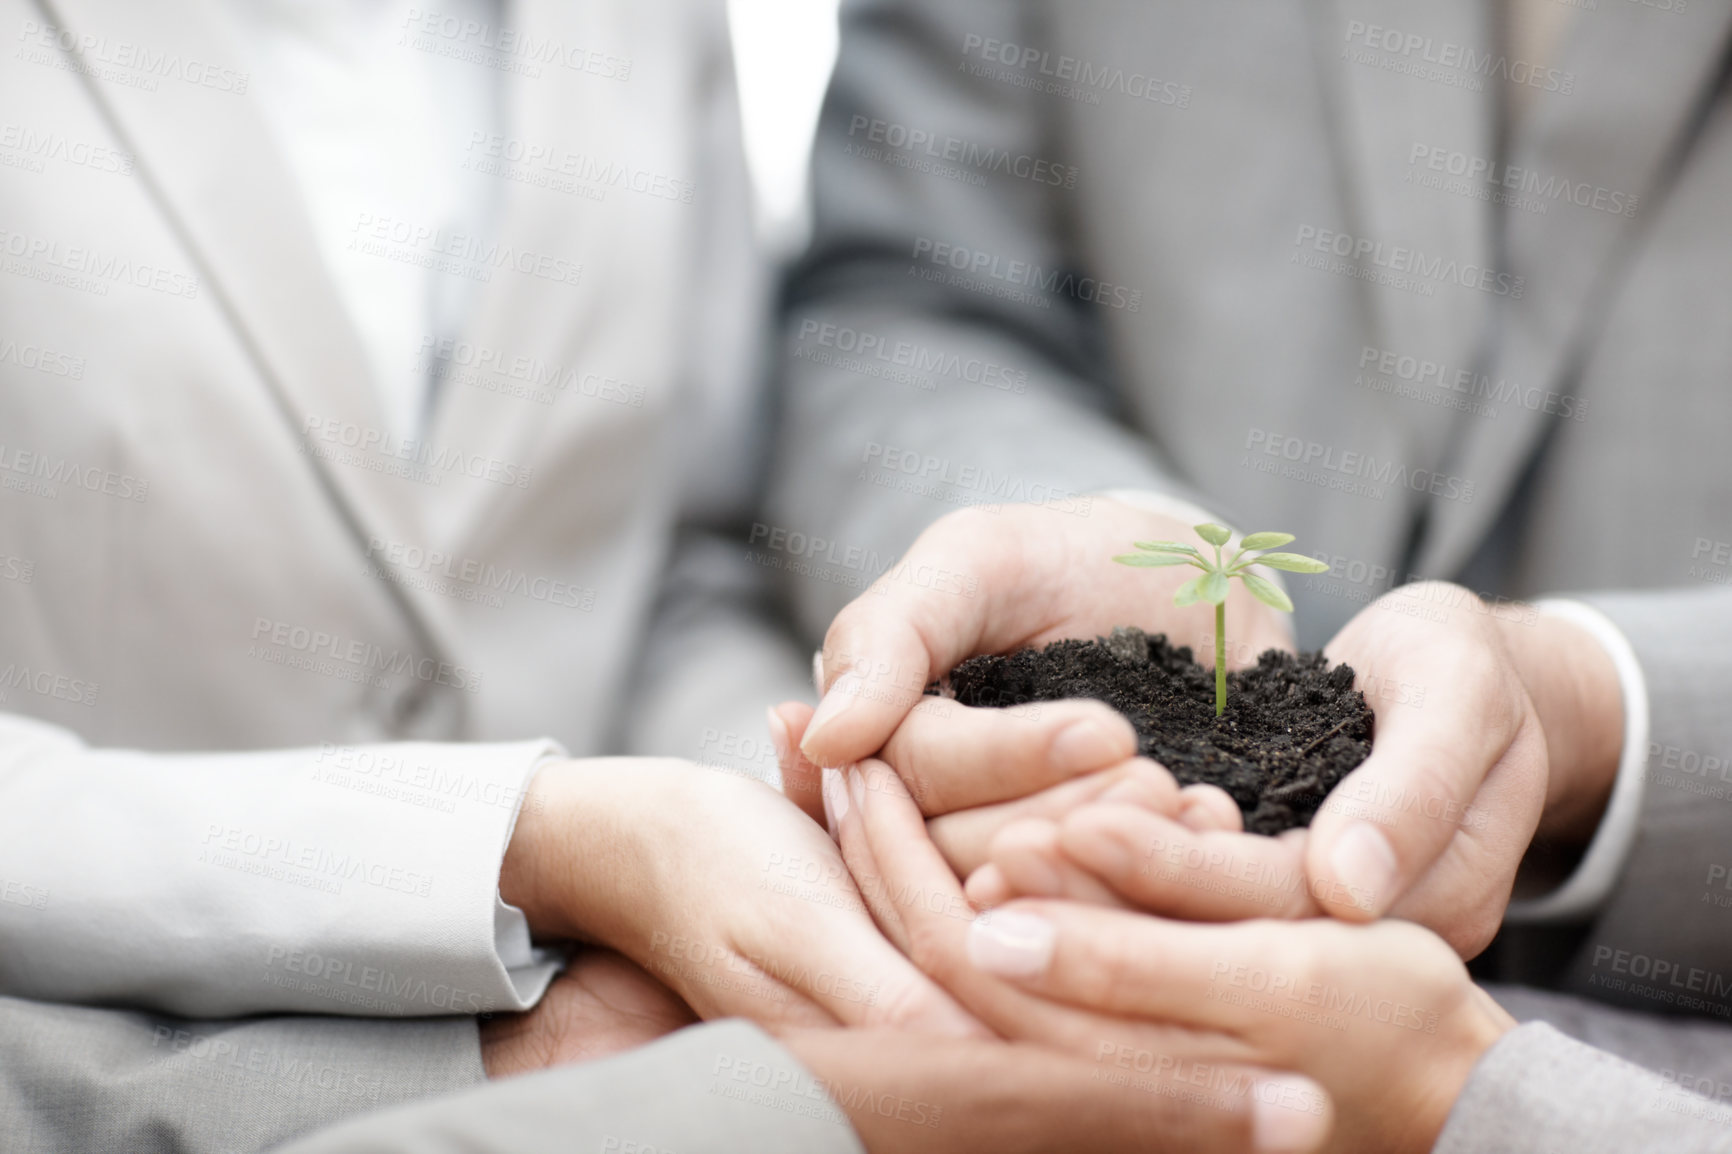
(1212, 585)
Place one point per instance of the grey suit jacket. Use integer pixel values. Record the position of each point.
(724, 1088)
(77, 1079)
(1294, 261)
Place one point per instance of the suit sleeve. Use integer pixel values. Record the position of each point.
(75, 1080)
(1537, 1090)
(1662, 941)
(939, 348)
(351, 880)
(724, 1088)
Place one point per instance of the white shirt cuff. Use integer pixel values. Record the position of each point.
(1585, 891)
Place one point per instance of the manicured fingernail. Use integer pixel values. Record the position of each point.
(818, 672)
(835, 704)
(1289, 1114)
(857, 788)
(835, 799)
(778, 736)
(1365, 864)
(1011, 943)
(1083, 745)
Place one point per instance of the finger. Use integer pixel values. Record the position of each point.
(965, 837)
(1378, 832)
(1159, 865)
(1027, 854)
(1209, 807)
(1464, 894)
(800, 781)
(991, 1096)
(937, 916)
(954, 757)
(1138, 966)
(843, 964)
(856, 850)
(986, 887)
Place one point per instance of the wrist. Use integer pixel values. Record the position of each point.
(1577, 696)
(538, 872)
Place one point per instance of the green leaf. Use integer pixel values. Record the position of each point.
(1267, 592)
(1292, 562)
(1265, 540)
(1213, 587)
(1188, 592)
(1166, 547)
(1150, 560)
(1214, 534)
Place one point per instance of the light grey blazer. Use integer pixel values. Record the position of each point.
(271, 684)
(1291, 261)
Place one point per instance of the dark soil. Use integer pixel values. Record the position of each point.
(1293, 727)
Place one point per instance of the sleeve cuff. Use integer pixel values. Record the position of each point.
(1585, 891)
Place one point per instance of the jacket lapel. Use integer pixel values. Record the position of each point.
(205, 153)
(512, 389)
(1641, 75)
(1380, 108)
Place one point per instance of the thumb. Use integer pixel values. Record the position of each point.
(801, 783)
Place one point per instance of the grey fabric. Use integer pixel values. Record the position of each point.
(1696, 1054)
(75, 1080)
(1663, 941)
(723, 1088)
(1582, 375)
(1069, 246)
(1510, 1104)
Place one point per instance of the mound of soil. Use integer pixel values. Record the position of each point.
(1294, 726)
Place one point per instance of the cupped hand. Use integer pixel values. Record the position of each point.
(980, 581)
(1489, 723)
(718, 887)
(920, 905)
(602, 1004)
(1384, 1018)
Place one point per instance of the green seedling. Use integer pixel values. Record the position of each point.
(1212, 585)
